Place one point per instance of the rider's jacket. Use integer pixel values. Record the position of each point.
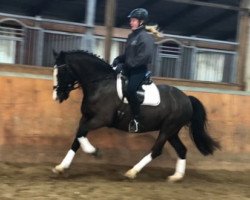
(139, 49)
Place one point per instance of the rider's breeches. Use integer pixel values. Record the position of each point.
(135, 77)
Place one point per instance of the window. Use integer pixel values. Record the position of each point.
(7, 51)
(182, 60)
(214, 65)
(169, 59)
(117, 48)
(11, 37)
(209, 66)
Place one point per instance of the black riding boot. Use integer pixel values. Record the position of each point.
(134, 125)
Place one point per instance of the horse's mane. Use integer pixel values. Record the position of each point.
(96, 58)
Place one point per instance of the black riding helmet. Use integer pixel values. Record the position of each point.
(139, 13)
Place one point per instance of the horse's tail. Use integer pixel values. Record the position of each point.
(198, 132)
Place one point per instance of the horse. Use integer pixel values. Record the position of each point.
(98, 82)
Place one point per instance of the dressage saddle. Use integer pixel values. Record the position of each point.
(140, 92)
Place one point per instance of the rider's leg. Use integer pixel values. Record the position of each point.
(136, 77)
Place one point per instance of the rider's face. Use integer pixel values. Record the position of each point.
(134, 23)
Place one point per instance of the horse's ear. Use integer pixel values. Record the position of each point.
(55, 54)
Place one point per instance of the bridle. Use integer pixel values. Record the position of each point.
(76, 84)
(70, 86)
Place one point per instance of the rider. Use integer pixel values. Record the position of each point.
(137, 57)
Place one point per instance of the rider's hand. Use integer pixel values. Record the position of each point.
(115, 62)
(119, 67)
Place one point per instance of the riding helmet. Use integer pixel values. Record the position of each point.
(139, 13)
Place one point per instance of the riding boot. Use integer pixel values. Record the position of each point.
(134, 125)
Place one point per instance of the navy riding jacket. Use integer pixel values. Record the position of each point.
(139, 49)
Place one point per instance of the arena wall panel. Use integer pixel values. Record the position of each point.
(34, 128)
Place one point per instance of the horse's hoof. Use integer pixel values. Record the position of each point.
(58, 169)
(175, 178)
(97, 153)
(131, 174)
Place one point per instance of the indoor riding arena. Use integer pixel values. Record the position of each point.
(36, 132)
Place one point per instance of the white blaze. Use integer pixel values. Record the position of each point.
(55, 82)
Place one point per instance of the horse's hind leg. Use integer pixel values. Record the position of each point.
(155, 152)
(181, 161)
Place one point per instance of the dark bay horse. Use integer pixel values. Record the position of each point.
(98, 82)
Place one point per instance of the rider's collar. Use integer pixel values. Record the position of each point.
(138, 29)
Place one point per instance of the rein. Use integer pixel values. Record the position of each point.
(76, 84)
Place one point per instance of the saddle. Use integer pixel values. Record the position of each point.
(147, 94)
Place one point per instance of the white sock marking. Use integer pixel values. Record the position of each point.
(68, 159)
(147, 159)
(180, 166)
(86, 146)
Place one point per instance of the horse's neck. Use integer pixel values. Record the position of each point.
(91, 72)
(96, 90)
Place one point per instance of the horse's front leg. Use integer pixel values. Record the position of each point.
(79, 141)
(66, 162)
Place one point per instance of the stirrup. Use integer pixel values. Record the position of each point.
(133, 126)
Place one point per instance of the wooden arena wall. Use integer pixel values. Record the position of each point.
(34, 128)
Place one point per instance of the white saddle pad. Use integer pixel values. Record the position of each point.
(152, 95)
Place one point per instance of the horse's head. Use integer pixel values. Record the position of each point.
(78, 67)
(64, 79)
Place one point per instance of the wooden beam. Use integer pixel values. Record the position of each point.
(242, 51)
(246, 4)
(109, 23)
